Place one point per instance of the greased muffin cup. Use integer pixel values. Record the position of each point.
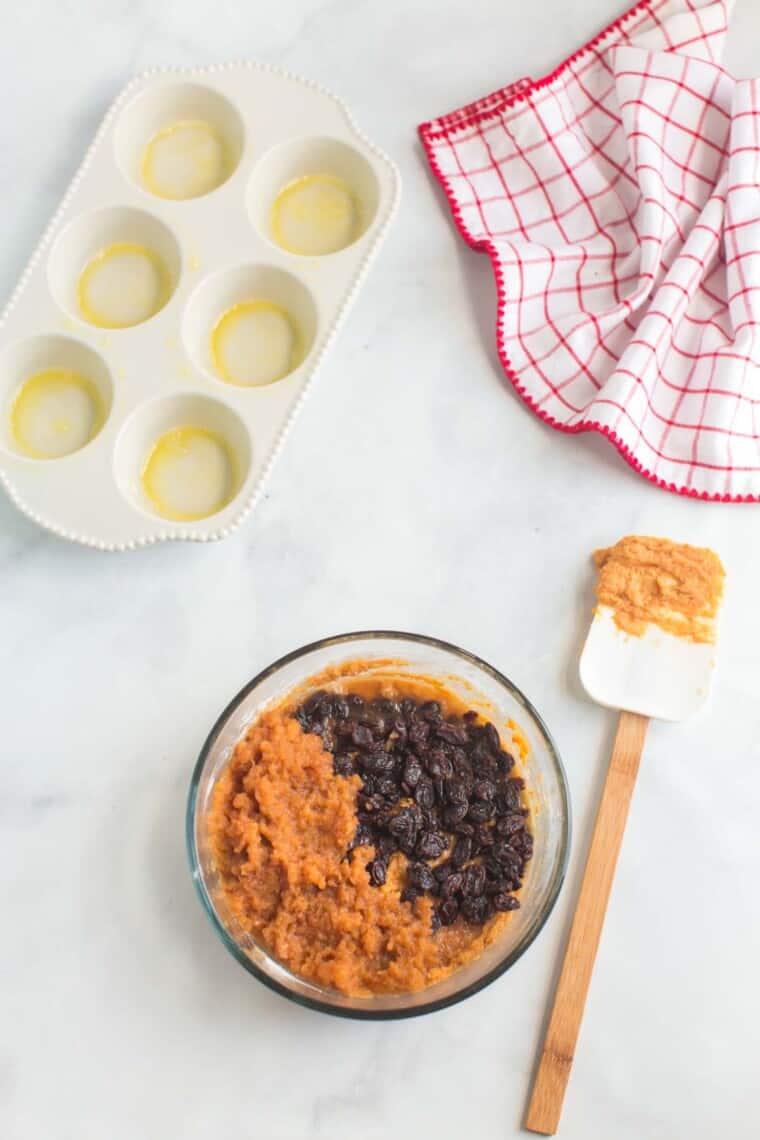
(168, 326)
(481, 687)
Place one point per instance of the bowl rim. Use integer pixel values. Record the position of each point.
(425, 1007)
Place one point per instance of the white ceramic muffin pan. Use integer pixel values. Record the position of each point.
(216, 250)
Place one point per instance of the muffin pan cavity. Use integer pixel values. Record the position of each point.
(313, 196)
(56, 397)
(250, 326)
(166, 331)
(179, 140)
(182, 458)
(114, 268)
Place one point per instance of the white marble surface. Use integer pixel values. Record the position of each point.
(415, 492)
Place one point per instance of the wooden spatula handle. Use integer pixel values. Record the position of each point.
(569, 1000)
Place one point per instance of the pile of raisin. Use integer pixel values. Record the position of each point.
(432, 786)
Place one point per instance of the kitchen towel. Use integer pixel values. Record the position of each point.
(619, 201)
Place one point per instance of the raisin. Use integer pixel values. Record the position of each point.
(462, 851)
(430, 711)
(343, 765)
(506, 855)
(475, 909)
(452, 733)
(454, 814)
(479, 753)
(448, 912)
(402, 821)
(387, 707)
(419, 733)
(511, 789)
(404, 829)
(431, 845)
(316, 704)
(509, 825)
(480, 811)
(523, 844)
(428, 819)
(484, 835)
(340, 708)
(424, 794)
(438, 764)
(452, 884)
(506, 762)
(377, 872)
(474, 879)
(361, 736)
(461, 763)
(456, 793)
(367, 762)
(505, 902)
(412, 772)
(443, 870)
(362, 837)
(372, 803)
(491, 737)
(418, 815)
(399, 731)
(432, 762)
(484, 790)
(420, 876)
(385, 845)
(373, 719)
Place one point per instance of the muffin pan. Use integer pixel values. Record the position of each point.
(168, 326)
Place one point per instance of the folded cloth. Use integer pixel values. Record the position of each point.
(619, 201)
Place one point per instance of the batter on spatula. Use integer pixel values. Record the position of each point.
(653, 581)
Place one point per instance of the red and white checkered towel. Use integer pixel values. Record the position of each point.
(619, 200)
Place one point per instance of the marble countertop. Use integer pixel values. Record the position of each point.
(416, 492)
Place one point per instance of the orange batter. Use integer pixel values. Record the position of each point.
(655, 581)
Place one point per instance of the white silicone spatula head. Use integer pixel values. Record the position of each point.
(657, 674)
(651, 646)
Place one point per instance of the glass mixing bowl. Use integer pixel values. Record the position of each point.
(475, 680)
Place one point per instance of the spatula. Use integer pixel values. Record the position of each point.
(655, 675)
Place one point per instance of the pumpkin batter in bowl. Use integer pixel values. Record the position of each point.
(337, 900)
